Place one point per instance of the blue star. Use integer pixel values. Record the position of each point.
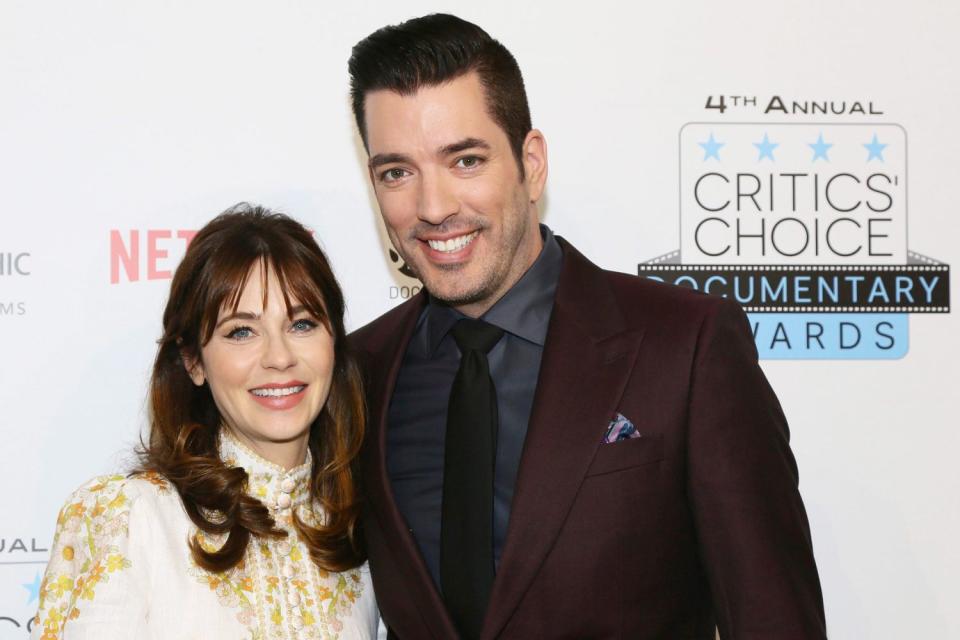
(820, 149)
(712, 148)
(33, 588)
(875, 149)
(766, 148)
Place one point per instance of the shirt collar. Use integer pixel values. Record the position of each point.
(277, 488)
(523, 311)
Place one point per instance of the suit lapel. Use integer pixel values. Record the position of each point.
(386, 353)
(587, 358)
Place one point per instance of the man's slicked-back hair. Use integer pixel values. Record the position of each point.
(431, 50)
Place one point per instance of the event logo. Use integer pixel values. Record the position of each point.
(402, 266)
(805, 225)
(403, 291)
(14, 263)
(147, 256)
(13, 308)
(22, 561)
(18, 546)
(12, 623)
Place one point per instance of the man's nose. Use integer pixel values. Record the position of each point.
(438, 200)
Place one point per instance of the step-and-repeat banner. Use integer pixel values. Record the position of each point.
(799, 157)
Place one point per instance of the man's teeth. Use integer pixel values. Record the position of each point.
(277, 393)
(453, 244)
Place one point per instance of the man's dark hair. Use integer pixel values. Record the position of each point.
(434, 49)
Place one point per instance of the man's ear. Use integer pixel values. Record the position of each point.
(194, 369)
(535, 163)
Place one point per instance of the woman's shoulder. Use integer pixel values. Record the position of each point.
(108, 497)
(134, 485)
(100, 547)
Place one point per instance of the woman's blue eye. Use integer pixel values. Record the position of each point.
(240, 333)
(304, 325)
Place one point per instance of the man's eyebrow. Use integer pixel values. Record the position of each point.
(381, 159)
(387, 158)
(463, 145)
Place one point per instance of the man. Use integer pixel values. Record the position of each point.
(554, 450)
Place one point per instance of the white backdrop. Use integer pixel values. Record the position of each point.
(123, 123)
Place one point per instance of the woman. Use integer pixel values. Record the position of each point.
(242, 521)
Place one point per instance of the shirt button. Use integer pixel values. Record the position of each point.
(288, 485)
(284, 501)
(293, 598)
(284, 548)
(288, 571)
(297, 622)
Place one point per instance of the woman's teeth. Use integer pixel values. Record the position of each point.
(279, 392)
(453, 244)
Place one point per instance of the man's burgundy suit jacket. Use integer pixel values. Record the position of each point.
(697, 523)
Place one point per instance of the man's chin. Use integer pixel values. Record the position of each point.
(453, 291)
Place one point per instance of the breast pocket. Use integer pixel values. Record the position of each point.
(625, 454)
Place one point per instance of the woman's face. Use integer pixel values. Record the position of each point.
(269, 373)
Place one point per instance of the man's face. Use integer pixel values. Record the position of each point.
(450, 191)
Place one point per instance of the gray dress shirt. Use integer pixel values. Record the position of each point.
(417, 418)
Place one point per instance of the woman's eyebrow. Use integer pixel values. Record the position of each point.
(239, 315)
(249, 315)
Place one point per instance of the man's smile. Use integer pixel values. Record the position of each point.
(452, 244)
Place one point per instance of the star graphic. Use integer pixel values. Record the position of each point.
(33, 588)
(766, 148)
(875, 149)
(820, 149)
(711, 148)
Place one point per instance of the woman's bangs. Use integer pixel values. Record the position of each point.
(299, 286)
(301, 276)
(224, 285)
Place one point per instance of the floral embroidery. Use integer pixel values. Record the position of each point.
(83, 557)
(276, 591)
(277, 577)
(158, 481)
(231, 587)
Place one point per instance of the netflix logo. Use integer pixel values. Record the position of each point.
(146, 254)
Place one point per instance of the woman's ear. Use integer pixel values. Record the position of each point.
(194, 369)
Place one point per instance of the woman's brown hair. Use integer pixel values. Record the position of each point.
(185, 423)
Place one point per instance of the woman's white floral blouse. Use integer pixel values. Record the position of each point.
(120, 568)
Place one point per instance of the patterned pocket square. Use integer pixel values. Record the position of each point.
(620, 429)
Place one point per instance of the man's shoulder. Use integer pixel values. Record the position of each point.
(647, 303)
(639, 298)
(637, 294)
(672, 317)
(384, 328)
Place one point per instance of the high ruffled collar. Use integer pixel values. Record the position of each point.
(281, 490)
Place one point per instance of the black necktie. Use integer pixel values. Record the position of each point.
(466, 535)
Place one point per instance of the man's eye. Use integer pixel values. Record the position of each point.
(394, 174)
(469, 162)
(240, 333)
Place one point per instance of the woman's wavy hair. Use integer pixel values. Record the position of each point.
(184, 420)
